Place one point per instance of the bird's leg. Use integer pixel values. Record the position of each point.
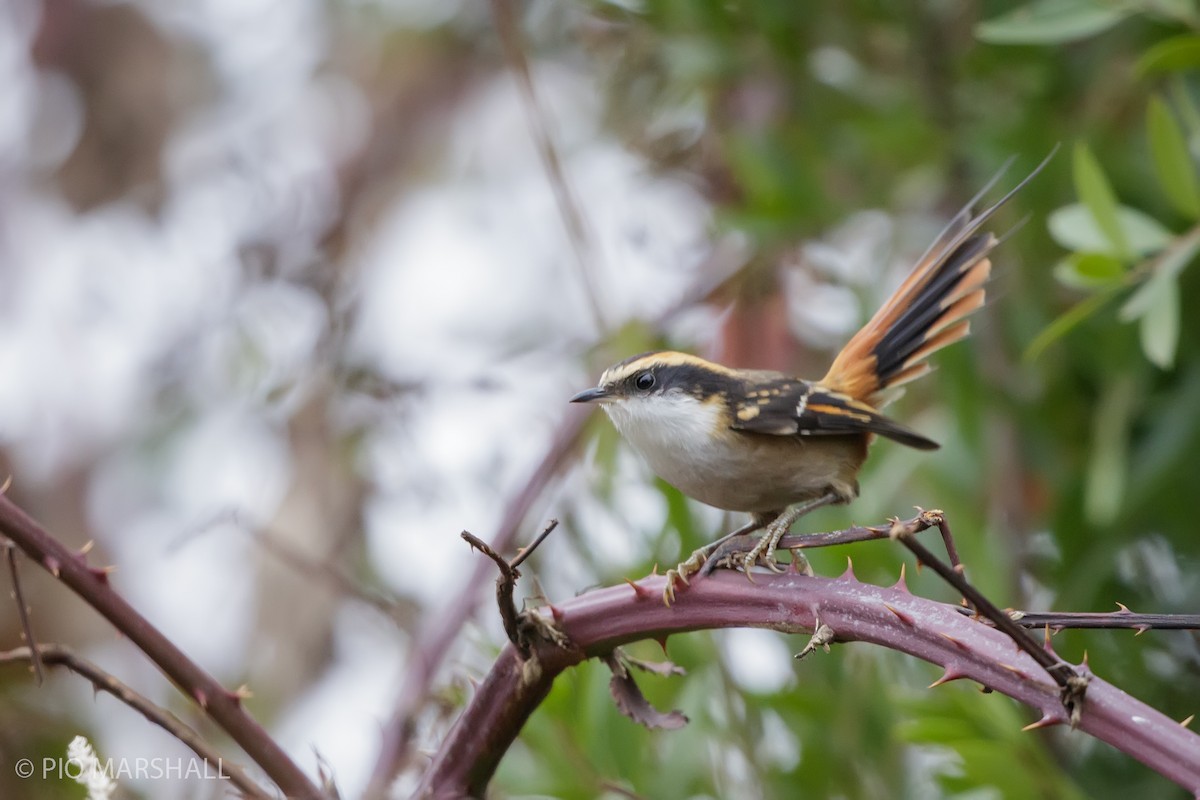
(764, 551)
(699, 558)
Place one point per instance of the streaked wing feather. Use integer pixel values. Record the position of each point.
(799, 408)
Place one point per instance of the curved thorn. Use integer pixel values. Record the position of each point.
(1047, 721)
(900, 615)
(951, 674)
(639, 591)
(848, 575)
(956, 642)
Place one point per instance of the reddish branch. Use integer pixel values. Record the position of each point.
(222, 706)
(597, 622)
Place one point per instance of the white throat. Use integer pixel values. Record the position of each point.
(665, 428)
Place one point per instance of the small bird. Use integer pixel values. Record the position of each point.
(778, 446)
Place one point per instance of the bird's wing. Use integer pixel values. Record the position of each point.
(792, 407)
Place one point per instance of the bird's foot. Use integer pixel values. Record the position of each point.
(682, 571)
(764, 551)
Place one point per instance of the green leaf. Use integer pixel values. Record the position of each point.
(1074, 227)
(1089, 270)
(1094, 192)
(1178, 54)
(1050, 22)
(1104, 489)
(1174, 165)
(1181, 97)
(1156, 304)
(1159, 328)
(1167, 269)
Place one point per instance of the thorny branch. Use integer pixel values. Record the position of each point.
(838, 610)
(597, 622)
(60, 655)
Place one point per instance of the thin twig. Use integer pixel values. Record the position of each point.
(35, 657)
(850, 535)
(1107, 620)
(60, 655)
(527, 551)
(515, 626)
(507, 27)
(221, 705)
(398, 610)
(505, 584)
(1072, 683)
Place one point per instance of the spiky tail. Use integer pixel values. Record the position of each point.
(928, 310)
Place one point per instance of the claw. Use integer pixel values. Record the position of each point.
(748, 561)
(669, 590)
(681, 572)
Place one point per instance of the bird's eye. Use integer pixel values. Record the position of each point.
(645, 381)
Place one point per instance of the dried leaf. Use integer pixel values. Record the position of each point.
(633, 704)
(663, 668)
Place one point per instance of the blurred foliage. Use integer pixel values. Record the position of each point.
(1071, 438)
(1070, 424)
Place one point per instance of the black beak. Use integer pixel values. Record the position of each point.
(588, 395)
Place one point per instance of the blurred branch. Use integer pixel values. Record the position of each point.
(509, 30)
(60, 655)
(35, 659)
(596, 623)
(400, 610)
(222, 706)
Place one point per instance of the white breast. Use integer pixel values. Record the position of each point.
(675, 434)
(684, 441)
